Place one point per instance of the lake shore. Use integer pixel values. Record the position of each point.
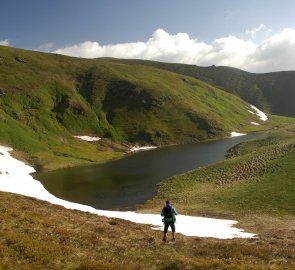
(21, 182)
(132, 180)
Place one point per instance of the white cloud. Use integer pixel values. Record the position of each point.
(275, 53)
(271, 54)
(46, 47)
(4, 42)
(228, 51)
(252, 32)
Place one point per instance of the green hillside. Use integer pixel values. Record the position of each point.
(47, 98)
(257, 178)
(273, 92)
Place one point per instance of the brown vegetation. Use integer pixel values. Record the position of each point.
(38, 235)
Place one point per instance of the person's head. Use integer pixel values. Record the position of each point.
(167, 202)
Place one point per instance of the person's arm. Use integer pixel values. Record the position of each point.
(162, 213)
(174, 211)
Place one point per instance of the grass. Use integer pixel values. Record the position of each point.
(272, 92)
(257, 178)
(48, 98)
(255, 186)
(38, 235)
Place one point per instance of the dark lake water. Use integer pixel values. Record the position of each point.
(132, 180)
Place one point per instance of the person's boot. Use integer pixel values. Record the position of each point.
(173, 237)
(164, 238)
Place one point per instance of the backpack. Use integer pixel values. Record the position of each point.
(168, 214)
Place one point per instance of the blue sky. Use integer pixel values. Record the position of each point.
(137, 28)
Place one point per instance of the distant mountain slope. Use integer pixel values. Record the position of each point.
(274, 91)
(47, 98)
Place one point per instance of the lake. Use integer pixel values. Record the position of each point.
(132, 179)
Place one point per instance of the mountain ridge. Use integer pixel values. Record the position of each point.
(273, 91)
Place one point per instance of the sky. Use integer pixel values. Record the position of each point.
(253, 35)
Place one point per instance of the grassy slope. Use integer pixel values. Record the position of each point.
(258, 177)
(47, 98)
(255, 186)
(40, 110)
(37, 235)
(272, 92)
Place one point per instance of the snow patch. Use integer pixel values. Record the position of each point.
(254, 123)
(141, 148)
(18, 180)
(236, 134)
(88, 138)
(259, 113)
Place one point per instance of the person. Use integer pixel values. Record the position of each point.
(169, 213)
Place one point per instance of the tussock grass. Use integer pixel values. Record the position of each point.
(258, 177)
(38, 235)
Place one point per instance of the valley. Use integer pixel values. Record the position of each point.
(47, 100)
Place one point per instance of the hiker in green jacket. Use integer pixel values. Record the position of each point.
(169, 213)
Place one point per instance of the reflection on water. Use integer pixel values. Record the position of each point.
(132, 180)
